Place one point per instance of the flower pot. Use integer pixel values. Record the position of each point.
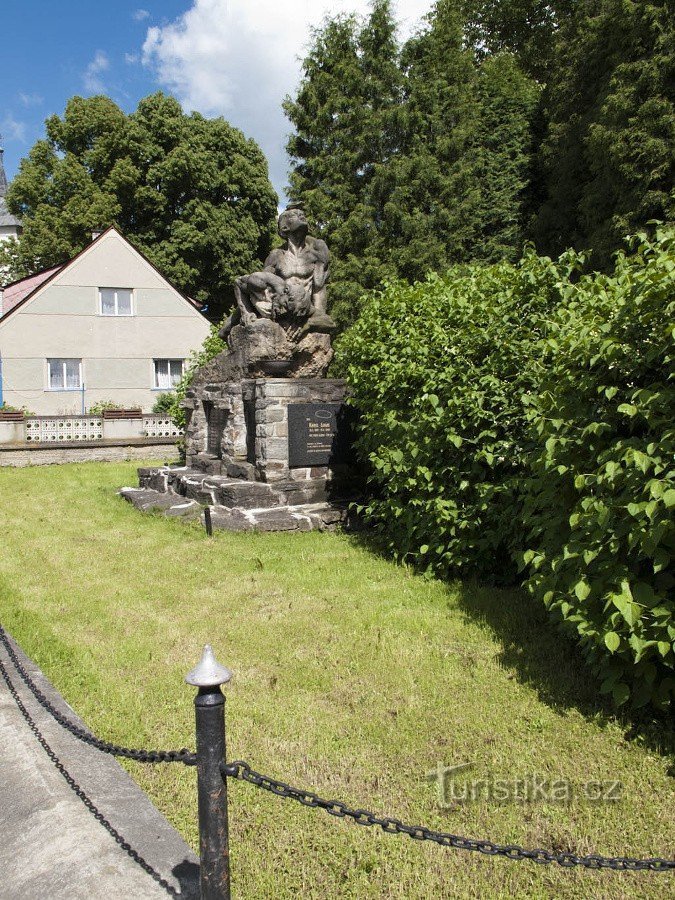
(136, 413)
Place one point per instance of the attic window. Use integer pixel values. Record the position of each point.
(116, 301)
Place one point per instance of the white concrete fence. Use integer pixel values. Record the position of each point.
(77, 429)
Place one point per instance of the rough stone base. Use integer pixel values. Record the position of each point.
(236, 504)
(250, 346)
(307, 517)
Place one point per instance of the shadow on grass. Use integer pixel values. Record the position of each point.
(541, 656)
(536, 653)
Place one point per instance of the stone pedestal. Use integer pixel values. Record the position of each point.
(241, 429)
(264, 453)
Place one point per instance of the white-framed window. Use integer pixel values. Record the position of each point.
(64, 374)
(168, 372)
(116, 301)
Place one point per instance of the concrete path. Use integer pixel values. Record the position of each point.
(51, 846)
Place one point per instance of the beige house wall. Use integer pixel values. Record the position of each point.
(63, 320)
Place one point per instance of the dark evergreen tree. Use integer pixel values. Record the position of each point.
(346, 116)
(427, 191)
(501, 157)
(608, 160)
(467, 149)
(525, 28)
(408, 163)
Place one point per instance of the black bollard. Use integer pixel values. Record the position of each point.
(214, 872)
(208, 524)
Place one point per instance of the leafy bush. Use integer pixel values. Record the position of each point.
(438, 371)
(600, 500)
(7, 407)
(163, 403)
(521, 417)
(212, 346)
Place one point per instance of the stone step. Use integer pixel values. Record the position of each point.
(226, 490)
(216, 490)
(305, 517)
(247, 495)
(198, 486)
(240, 468)
(164, 478)
(169, 503)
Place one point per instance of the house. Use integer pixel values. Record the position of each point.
(10, 226)
(104, 326)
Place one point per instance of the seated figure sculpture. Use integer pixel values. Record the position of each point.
(291, 289)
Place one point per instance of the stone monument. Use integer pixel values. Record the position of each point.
(267, 437)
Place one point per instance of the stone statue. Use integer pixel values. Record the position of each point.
(279, 331)
(291, 289)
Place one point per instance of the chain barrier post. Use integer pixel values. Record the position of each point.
(214, 871)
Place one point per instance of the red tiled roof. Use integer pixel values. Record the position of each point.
(15, 293)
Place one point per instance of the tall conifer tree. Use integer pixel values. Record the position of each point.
(345, 116)
(409, 162)
(501, 157)
(608, 162)
(525, 28)
(426, 191)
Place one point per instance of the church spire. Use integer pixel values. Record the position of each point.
(3, 177)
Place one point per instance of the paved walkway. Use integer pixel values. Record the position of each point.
(51, 846)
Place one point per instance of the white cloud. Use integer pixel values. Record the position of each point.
(239, 58)
(12, 129)
(131, 58)
(30, 99)
(138, 15)
(91, 78)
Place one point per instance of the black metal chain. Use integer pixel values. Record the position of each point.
(93, 809)
(244, 772)
(184, 755)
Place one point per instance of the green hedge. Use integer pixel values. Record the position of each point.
(486, 395)
(600, 498)
(438, 370)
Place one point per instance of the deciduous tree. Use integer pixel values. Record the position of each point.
(192, 193)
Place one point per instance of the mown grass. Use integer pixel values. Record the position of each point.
(352, 677)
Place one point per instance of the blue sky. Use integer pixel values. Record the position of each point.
(49, 54)
(235, 58)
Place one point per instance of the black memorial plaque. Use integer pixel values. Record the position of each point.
(316, 435)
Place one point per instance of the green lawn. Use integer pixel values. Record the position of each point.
(352, 677)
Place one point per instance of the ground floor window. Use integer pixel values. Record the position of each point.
(64, 374)
(168, 372)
